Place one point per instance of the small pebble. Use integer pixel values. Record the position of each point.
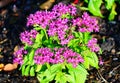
(115, 59)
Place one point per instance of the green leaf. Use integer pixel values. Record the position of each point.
(49, 74)
(93, 60)
(81, 35)
(26, 46)
(86, 1)
(76, 34)
(48, 79)
(70, 78)
(27, 70)
(55, 68)
(94, 7)
(31, 56)
(83, 8)
(109, 3)
(86, 37)
(39, 38)
(67, 16)
(23, 70)
(38, 68)
(55, 38)
(46, 76)
(78, 74)
(86, 62)
(25, 59)
(60, 77)
(32, 71)
(90, 59)
(46, 42)
(73, 42)
(37, 27)
(112, 13)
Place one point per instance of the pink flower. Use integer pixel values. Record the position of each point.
(60, 55)
(92, 44)
(101, 61)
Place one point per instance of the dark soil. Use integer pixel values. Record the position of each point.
(13, 22)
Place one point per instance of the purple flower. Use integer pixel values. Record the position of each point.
(62, 9)
(43, 55)
(77, 21)
(101, 62)
(86, 23)
(58, 55)
(92, 44)
(27, 36)
(58, 28)
(18, 56)
(33, 33)
(41, 18)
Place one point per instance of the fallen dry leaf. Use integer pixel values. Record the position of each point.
(47, 4)
(1, 66)
(10, 67)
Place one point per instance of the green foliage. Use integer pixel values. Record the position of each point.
(47, 73)
(109, 3)
(113, 12)
(77, 75)
(94, 7)
(90, 59)
(61, 72)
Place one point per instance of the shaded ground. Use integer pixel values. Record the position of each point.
(13, 20)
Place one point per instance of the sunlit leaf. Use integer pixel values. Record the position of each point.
(94, 7)
(86, 37)
(90, 58)
(73, 42)
(39, 38)
(70, 78)
(32, 71)
(38, 68)
(79, 73)
(112, 13)
(23, 69)
(93, 60)
(60, 77)
(109, 3)
(55, 68)
(31, 56)
(46, 76)
(86, 62)
(86, 1)
(27, 70)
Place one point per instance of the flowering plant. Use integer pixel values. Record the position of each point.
(59, 47)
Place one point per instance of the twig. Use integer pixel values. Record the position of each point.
(114, 69)
(101, 77)
(1, 42)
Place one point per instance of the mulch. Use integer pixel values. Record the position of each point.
(13, 22)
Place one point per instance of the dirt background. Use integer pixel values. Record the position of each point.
(13, 16)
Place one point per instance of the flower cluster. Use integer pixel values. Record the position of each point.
(59, 26)
(59, 40)
(86, 23)
(92, 44)
(18, 56)
(58, 55)
(62, 9)
(27, 37)
(41, 18)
